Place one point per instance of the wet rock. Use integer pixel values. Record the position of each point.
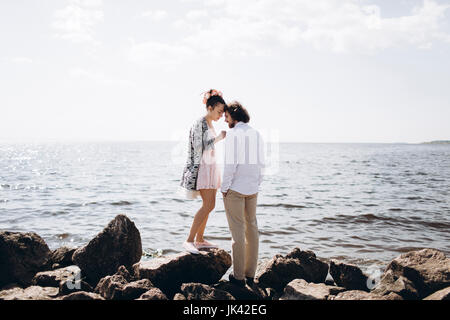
(279, 271)
(118, 244)
(443, 294)
(427, 269)
(154, 294)
(83, 295)
(168, 273)
(30, 293)
(348, 276)
(62, 257)
(199, 291)
(136, 289)
(299, 289)
(22, 255)
(242, 293)
(54, 277)
(396, 284)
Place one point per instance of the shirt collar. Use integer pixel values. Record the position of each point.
(239, 124)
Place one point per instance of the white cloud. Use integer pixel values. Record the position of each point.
(156, 15)
(97, 77)
(255, 27)
(154, 53)
(77, 20)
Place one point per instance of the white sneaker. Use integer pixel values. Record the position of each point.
(190, 247)
(205, 244)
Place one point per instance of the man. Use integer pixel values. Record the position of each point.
(242, 176)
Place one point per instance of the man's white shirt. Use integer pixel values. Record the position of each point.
(244, 160)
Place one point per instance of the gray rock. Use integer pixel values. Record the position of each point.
(54, 277)
(397, 284)
(427, 269)
(279, 271)
(154, 294)
(443, 294)
(348, 276)
(168, 273)
(299, 289)
(363, 295)
(118, 244)
(83, 295)
(62, 257)
(22, 255)
(199, 291)
(30, 293)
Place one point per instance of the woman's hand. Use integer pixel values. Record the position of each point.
(223, 134)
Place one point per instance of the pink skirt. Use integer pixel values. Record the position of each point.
(209, 176)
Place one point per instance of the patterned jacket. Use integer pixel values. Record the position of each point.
(198, 142)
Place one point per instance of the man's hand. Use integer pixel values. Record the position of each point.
(224, 194)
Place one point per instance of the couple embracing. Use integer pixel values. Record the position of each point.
(239, 184)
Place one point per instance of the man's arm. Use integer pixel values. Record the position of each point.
(230, 164)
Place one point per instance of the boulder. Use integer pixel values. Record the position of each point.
(443, 294)
(30, 293)
(168, 273)
(22, 255)
(153, 294)
(427, 269)
(54, 277)
(62, 257)
(179, 296)
(299, 289)
(199, 291)
(120, 286)
(118, 244)
(363, 295)
(242, 293)
(83, 295)
(67, 287)
(279, 271)
(348, 276)
(397, 284)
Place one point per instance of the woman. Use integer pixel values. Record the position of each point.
(201, 175)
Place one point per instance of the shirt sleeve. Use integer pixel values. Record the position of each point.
(230, 163)
(262, 158)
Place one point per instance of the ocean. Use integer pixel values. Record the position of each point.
(360, 203)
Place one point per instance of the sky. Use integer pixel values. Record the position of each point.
(307, 71)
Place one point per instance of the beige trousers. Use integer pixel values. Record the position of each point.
(241, 216)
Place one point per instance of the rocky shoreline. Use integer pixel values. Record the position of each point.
(109, 267)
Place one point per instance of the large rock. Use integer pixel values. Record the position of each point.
(299, 289)
(427, 269)
(363, 295)
(54, 277)
(62, 257)
(279, 271)
(118, 244)
(82, 295)
(443, 294)
(22, 255)
(30, 293)
(168, 273)
(199, 291)
(400, 285)
(153, 294)
(348, 276)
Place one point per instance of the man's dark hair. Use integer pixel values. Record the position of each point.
(237, 112)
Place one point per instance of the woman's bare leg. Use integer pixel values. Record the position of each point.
(201, 230)
(201, 217)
